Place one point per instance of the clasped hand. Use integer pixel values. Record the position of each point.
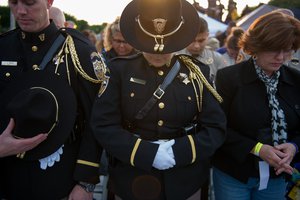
(279, 157)
(164, 158)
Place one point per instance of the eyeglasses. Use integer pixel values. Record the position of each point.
(119, 42)
(286, 52)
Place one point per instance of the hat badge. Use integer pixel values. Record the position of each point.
(159, 25)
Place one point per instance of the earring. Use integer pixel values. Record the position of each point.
(254, 57)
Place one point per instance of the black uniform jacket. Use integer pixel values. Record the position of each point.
(21, 52)
(132, 82)
(249, 117)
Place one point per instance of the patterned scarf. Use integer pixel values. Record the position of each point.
(278, 123)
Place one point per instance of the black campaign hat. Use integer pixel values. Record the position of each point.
(41, 102)
(159, 26)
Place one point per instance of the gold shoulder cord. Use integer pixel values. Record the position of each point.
(71, 46)
(196, 74)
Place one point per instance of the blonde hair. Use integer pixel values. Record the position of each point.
(109, 31)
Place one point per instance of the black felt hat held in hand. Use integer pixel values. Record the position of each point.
(41, 102)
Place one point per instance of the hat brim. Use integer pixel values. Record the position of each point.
(178, 41)
(67, 106)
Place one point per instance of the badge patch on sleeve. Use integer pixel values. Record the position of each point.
(101, 71)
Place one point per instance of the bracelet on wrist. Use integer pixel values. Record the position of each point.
(257, 148)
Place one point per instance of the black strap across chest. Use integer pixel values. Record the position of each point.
(56, 44)
(159, 92)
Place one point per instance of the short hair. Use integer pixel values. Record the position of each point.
(203, 27)
(271, 32)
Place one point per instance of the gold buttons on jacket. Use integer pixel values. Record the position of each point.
(160, 72)
(34, 48)
(161, 105)
(35, 67)
(189, 98)
(160, 123)
(131, 94)
(7, 74)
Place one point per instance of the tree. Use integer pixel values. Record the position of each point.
(285, 3)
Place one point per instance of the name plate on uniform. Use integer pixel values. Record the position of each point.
(138, 81)
(9, 63)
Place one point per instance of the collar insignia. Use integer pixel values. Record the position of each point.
(23, 35)
(42, 37)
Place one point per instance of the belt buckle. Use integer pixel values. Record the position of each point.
(158, 93)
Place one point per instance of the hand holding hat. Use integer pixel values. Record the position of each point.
(40, 102)
(12, 146)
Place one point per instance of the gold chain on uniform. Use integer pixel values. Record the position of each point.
(71, 46)
(199, 77)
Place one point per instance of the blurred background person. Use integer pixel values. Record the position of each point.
(295, 60)
(213, 43)
(57, 16)
(70, 24)
(198, 49)
(223, 35)
(261, 100)
(91, 35)
(114, 42)
(232, 46)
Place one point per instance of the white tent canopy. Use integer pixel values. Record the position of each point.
(247, 20)
(213, 25)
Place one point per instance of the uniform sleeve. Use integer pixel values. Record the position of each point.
(210, 133)
(107, 126)
(87, 166)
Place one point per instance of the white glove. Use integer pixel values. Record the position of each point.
(49, 161)
(164, 158)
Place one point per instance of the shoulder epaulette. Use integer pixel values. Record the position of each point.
(189, 62)
(9, 32)
(192, 59)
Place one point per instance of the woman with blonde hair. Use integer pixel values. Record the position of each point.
(114, 42)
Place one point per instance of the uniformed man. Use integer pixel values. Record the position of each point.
(38, 45)
(159, 118)
(198, 49)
